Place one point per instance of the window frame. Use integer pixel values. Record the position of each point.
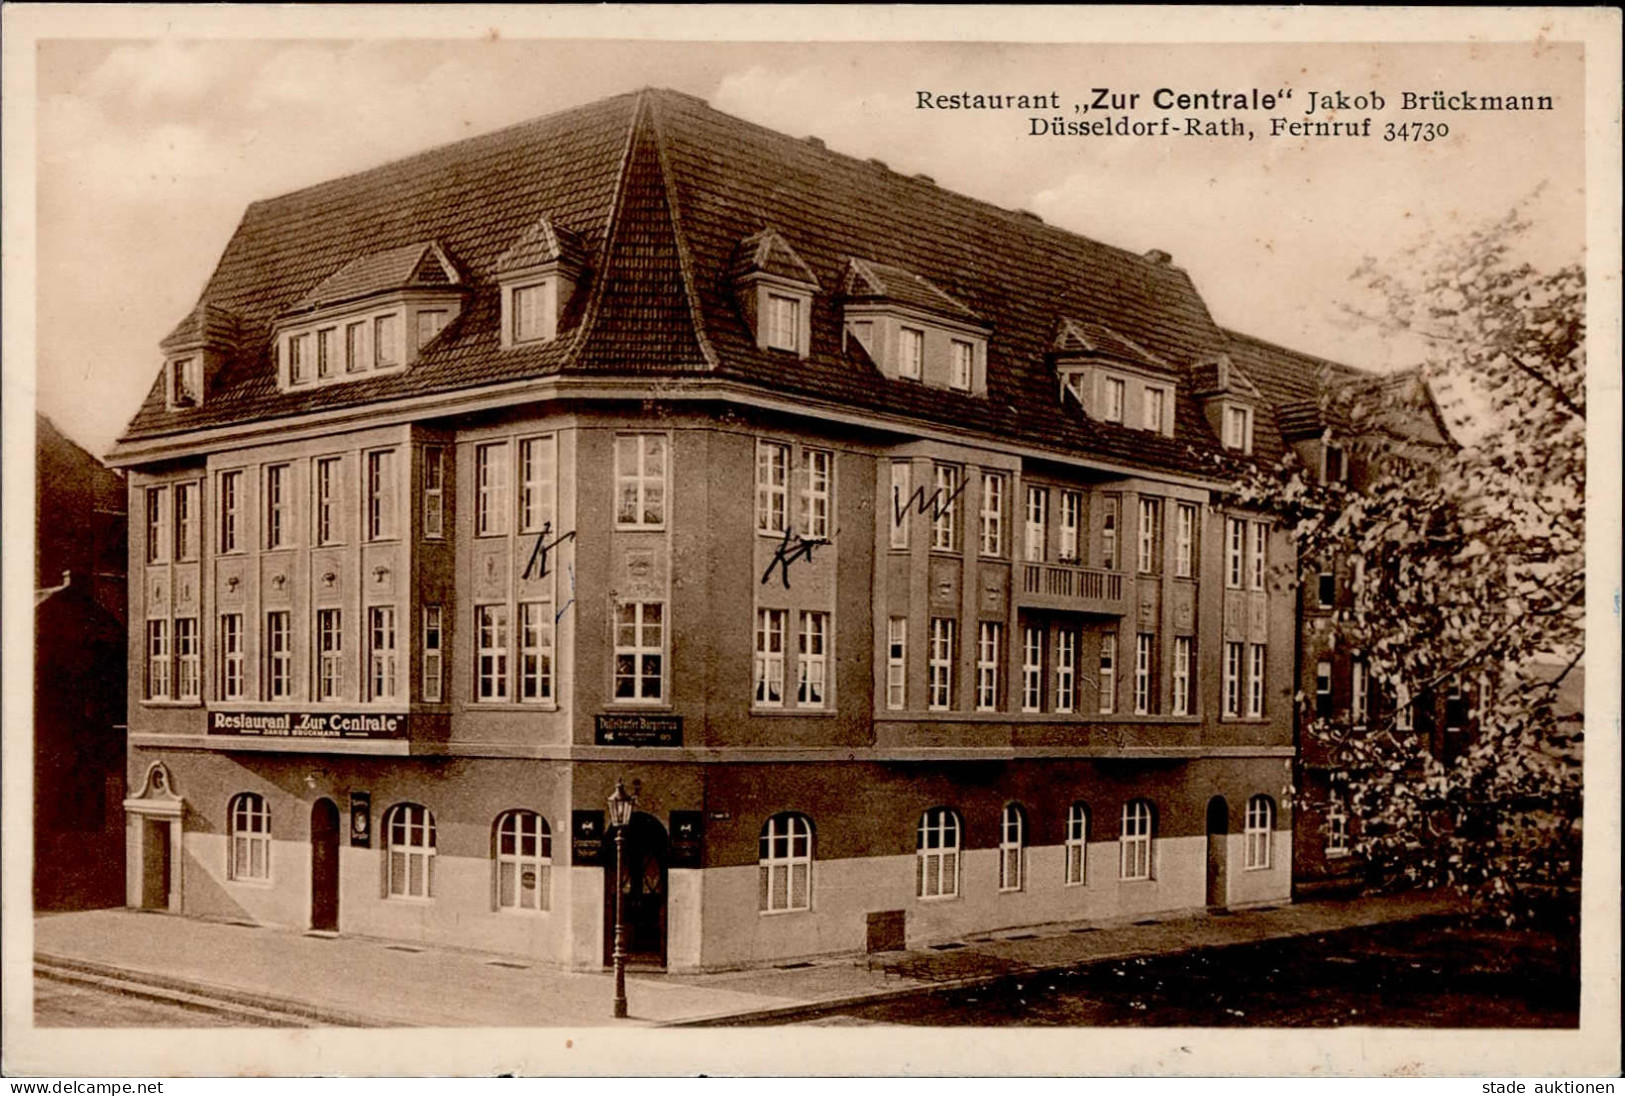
(773, 491)
(1066, 670)
(902, 480)
(767, 665)
(779, 853)
(1135, 842)
(641, 480)
(1111, 531)
(277, 486)
(1145, 691)
(279, 684)
(1323, 688)
(1148, 421)
(1185, 552)
(1232, 671)
(249, 825)
(1258, 561)
(1235, 548)
(329, 674)
(187, 677)
(1012, 849)
(325, 520)
(434, 654)
(434, 492)
(1036, 528)
(233, 658)
(1114, 399)
(492, 670)
(160, 535)
(1180, 702)
(536, 482)
(812, 666)
(185, 526)
(1032, 668)
(896, 663)
(1337, 826)
(493, 495)
(160, 655)
(1107, 673)
(991, 515)
(910, 365)
(230, 511)
(405, 818)
(776, 322)
(1233, 414)
(1257, 680)
(640, 652)
(947, 480)
(1260, 821)
(1071, 523)
(383, 660)
(1148, 559)
(512, 824)
(940, 664)
(1076, 846)
(817, 492)
(989, 644)
(535, 664)
(961, 364)
(943, 826)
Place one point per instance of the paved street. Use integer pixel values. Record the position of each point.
(64, 1004)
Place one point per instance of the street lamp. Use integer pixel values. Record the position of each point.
(620, 816)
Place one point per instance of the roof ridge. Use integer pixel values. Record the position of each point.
(600, 278)
(685, 261)
(1232, 333)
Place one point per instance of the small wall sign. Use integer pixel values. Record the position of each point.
(361, 819)
(587, 839)
(632, 729)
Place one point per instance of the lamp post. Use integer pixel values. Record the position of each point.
(620, 816)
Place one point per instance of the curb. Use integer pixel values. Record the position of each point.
(202, 995)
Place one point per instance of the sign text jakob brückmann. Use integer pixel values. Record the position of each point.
(309, 724)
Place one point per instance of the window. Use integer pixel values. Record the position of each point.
(1232, 679)
(1134, 846)
(772, 486)
(1327, 589)
(937, 854)
(491, 657)
(355, 347)
(1235, 546)
(491, 489)
(329, 641)
(814, 664)
(1357, 692)
(1337, 826)
(785, 867)
(1150, 536)
(992, 514)
(535, 652)
(430, 324)
(1238, 428)
(278, 656)
(524, 862)
(276, 506)
(963, 363)
(385, 340)
(231, 489)
(640, 480)
(158, 545)
(1260, 820)
(381, 495)
(185, 521)
(1037, 531)
(231, 656)
(817, 465)
(409, 834)
(158, 660)
(1185, 540)
(783, 323)
(299, 362)
(901, 500)
(1112, 506)
(1260, 557)
(1154, 408)
(1323, 689)
(250, 838)
(1077, 845)
(188, 664)
(1144, 646)
(1336, 466)
(989, 639)
(434, 492)
(945, 508)
(326, 529)
(1032, 668)
(1108, 673)
(941, 695)
(638, 650)
(1182, 675)
(327, 357)
(536, 476)
(434, 639)
(530, 305)
(1255, 682)
(1066, 669)
(1112, 411)
(770, 657)
(381, 651)
(1012, 848)
(1404, 710)
(1071, 518)
(896, 662)
(188, 382)
(910, 352)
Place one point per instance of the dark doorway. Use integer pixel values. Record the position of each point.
(1218, 849)
(155, 864)
(643, 881)
(324, 866)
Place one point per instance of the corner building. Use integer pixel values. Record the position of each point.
(870, 533)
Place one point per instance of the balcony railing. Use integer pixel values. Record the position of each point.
(1060, 586)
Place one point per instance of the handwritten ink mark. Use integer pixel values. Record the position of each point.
(934, 503)
(558, 616)
(538, 553)
(792, 548)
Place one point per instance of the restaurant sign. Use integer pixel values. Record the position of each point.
(638, 730)
(309, 724)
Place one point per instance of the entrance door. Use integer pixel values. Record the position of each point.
(155, 858)
(324, 866)
(643, 883)
(1218, 849)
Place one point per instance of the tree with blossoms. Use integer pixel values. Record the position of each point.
(1469, 570)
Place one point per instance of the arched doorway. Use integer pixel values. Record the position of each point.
(1218, 851)
(324, 866)
(643, 882)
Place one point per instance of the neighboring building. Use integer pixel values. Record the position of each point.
(79, 665)
(1333, 680)
(869, 532)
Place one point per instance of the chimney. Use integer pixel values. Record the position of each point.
(1158, 257)
(815, 142)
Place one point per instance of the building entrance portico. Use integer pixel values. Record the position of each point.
(152, 843)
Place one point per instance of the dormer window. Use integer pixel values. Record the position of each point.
(530, 311)
(774, 291)
(1238, 428)
(327, 352)
(386, 339)
(1114, 379)
(538, 277)
(912, 330)
(1334, 464)
(783, 322)
(186, 384)
(1155, 408)
(430, 324)
(299, 358)
(193, 354)
(1114, 397)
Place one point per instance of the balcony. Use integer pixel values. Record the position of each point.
(1078, 589)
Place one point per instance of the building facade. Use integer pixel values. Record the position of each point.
(870, 534)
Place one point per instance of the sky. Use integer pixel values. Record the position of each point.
(148, 151)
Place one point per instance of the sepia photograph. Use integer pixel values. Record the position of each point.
(935, 530)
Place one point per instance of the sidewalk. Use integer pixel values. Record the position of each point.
(368, 982)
